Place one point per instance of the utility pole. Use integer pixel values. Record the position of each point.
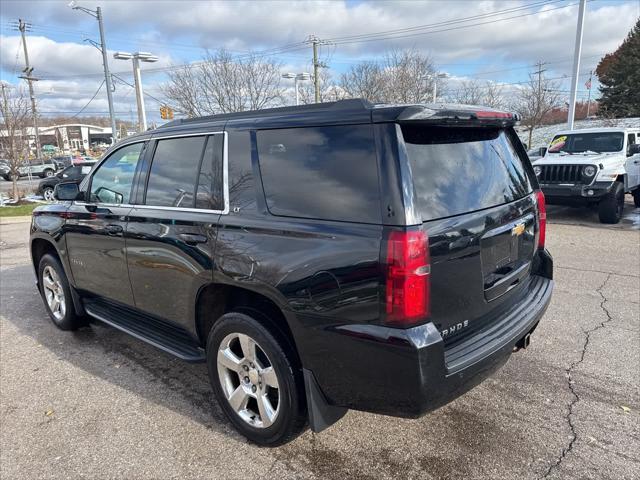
(28, 70)
(317, 64)
(576, 64)
(539, 72)
(316, 82)
(97, 14)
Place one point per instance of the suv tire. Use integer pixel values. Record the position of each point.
(47, 194)
(48, 173)
(56, 294)
(249, 386)
(636, 197)
(612, 204)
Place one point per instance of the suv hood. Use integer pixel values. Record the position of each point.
(580, 158)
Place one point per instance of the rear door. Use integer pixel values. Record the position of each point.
(474, 192)
(171, 233)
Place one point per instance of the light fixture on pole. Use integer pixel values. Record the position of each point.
(138, 57)
(97, 14)
(435, 77)
(297, 77)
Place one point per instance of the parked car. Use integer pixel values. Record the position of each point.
(63, 161)
(536, 153)
(318, 258)
(593, 166)
(37, 168)
(74, 173)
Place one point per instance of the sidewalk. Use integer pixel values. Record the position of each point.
(10, 220)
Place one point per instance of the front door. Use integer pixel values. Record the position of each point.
(95, 228)
(171, 235)
(632, 163)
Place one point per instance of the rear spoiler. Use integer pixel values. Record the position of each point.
(463, 116)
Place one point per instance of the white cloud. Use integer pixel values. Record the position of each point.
(180, 30)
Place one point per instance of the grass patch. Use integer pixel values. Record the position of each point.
(18, 211)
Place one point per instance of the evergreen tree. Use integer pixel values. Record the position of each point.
(619, 75)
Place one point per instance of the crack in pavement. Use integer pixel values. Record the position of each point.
(570, 381)
(597, 271)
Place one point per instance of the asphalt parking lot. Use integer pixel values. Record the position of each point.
(99, 404)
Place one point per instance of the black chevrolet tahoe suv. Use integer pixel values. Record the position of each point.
(384, 258)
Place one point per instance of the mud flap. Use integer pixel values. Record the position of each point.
(321, 414)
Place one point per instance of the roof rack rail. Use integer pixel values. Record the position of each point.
(348, 104)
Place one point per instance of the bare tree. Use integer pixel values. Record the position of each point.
(15, 111)
(469, 92)
(404, 76)
(364, 80)
(535, 100)
(474, 92)
(184, 91)
(408, 77)
(223, 84)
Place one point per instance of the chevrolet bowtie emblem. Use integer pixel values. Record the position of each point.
(517, 230)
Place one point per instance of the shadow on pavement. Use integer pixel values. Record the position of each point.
(114, 356)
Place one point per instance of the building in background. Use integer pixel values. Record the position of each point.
(67, 138)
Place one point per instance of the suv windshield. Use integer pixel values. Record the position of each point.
(587, 142)
(460, 170)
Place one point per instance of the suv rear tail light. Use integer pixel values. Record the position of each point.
(542, 217)
(408, 277)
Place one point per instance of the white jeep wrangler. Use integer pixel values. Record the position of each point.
(594, 166)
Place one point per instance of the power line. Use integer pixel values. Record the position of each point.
(92, 99)
(395, 37)
(440, 24)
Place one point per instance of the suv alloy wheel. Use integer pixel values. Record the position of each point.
(56, 293)
(254, 380)
(47, 193)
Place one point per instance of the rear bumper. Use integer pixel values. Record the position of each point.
(575, 194)
(409, 372)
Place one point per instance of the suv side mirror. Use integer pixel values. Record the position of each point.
(634, 149)
(66, 191)
(543, 151)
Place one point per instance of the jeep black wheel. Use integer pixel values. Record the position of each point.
(56, 294)
(48, 172)
(636, 197)
(612, 204)
(255, 380)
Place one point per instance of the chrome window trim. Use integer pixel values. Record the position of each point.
(225, 179)
(225, 173)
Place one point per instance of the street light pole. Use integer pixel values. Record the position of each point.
(107, 75)
(142, 115)
(576, 64)
(97, 14)
(297, 77)
(136, 58)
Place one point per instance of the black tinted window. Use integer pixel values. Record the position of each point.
(113, 180)
(174, 172)
(459, 170)
(322, 172)
(242, 193)
(209, 192)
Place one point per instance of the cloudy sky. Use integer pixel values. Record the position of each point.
(498, 40)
